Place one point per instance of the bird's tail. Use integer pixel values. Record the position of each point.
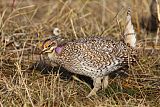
(129, 33)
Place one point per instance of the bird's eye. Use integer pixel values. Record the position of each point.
(49, 46)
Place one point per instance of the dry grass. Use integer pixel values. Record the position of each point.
(25, 23)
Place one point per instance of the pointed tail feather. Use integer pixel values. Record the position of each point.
(129, 33)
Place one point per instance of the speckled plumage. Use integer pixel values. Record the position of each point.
(95, 57)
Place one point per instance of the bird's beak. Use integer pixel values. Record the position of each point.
(43, 51)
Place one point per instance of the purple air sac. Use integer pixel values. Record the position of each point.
(58, 50)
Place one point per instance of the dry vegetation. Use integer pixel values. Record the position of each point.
(25, 23)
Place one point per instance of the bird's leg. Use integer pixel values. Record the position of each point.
(97, 85)
(105, 82)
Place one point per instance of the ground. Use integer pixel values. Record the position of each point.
(27, 79)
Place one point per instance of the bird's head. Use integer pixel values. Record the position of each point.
(49, 46)
(53, 46)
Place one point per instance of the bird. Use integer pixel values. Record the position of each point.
(94, 56)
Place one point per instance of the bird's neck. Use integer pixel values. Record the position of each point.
(56, 53)
(55, 56)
